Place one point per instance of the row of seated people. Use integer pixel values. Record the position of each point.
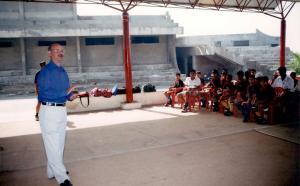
(253, 97)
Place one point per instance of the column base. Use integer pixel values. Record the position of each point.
(130, 106)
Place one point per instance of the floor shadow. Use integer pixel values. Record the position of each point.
(70, 124)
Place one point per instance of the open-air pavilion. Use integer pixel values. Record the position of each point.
(154, 145)
(275, 8)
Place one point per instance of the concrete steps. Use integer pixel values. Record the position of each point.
(107, 76)
(160, 75)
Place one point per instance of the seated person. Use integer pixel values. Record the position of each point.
(245, 107)
(215, 86)
(202, 97)
(275, 76)
(294, 107)
(240, 87)
(264, 96)
(191, 83)
(296, 81)
(227, 96)
(247, 74)
(176, 88)
(284, 81)
(241, 84)
(289, 99)
(199, 75)
(252, 71)
(223, 77)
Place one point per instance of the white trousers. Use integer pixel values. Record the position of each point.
(53, 120)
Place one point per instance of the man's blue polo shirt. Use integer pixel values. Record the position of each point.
(53, 84)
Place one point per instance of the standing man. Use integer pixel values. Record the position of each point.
(38, 105)
(54, 90)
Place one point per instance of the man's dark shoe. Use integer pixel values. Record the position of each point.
(261, 121)
(66, 183)
(36, 117)
(203, 103)
(54, 177)
(228, 113)
(186, 105)
(185, 108)
(169, 102)
(215, 109)
(225, 112)
(245, 120)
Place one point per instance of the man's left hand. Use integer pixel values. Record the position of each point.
(74, 96)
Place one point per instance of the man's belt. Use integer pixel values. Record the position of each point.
(54, 104)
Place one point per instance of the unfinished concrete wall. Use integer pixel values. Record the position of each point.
(153, 53)
(9, 10)
(112, 55)
(171, 51)
(10, 57)
(255, 39)
(100, 55)
(206, 65)
(48, 11)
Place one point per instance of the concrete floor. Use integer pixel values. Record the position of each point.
(153, 146)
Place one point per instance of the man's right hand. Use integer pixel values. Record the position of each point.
(71, 88)
(74, 96)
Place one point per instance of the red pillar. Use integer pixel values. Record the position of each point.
(282, 43)
(127, 58)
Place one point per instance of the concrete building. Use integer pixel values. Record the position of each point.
(94, 51)
(232, 52)
(94, 54)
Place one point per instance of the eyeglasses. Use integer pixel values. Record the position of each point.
(57, 50)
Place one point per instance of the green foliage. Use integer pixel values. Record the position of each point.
(295, 64)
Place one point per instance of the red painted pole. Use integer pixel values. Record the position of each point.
(282, 43)
(127, 58)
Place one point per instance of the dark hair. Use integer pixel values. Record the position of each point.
(215, 71)
(247, 74)
(293, 74)
(282, 69)
(229, 76)
(177, 74)
(263, 79)
(193, 71)
(43, 63)
(240, 73)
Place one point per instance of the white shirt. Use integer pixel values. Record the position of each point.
(287, 83)
(192, 83)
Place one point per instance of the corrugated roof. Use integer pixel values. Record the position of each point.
(274, 7)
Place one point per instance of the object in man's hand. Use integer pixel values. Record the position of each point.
(75, 92)
(83, 94)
